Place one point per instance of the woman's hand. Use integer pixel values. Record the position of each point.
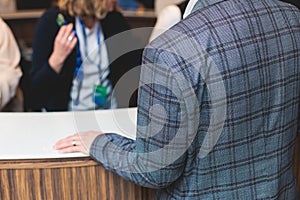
(64, 43)
(79, 142)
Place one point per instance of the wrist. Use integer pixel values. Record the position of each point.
(56, 63)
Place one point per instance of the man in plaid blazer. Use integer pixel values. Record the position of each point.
(218, 109)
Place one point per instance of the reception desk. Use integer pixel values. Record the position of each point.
(31, 169)
(64, 178)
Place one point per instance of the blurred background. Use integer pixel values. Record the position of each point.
(22, 17)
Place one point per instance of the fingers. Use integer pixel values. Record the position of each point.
(66, 39)
(66, 142)
(73, 149)
(70, 144)
(79, 142)
(65, 31)
(72, 40)
(65, 42)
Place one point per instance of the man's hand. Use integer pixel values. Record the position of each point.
(79, 142)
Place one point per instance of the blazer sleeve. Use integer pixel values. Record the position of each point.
(158, 157)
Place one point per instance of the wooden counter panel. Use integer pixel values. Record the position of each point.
(41, 179)
(47, 163)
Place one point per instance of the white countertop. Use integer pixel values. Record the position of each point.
(32, 135)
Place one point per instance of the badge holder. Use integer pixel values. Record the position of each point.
(100, 95)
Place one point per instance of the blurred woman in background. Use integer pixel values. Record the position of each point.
(71, 69)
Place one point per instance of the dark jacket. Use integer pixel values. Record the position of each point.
(182, 6)
(50, 90)
(294, 2)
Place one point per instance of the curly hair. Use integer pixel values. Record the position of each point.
(84, 8)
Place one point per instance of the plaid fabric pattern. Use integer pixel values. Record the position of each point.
(247, 50)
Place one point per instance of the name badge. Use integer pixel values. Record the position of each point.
(100, 95)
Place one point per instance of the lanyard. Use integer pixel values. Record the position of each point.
(79, 60)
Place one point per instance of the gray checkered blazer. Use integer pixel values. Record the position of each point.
(218, 107)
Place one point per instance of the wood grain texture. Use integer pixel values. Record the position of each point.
(57, 179)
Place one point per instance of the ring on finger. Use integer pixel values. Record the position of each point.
(70, 38)
(74, 143)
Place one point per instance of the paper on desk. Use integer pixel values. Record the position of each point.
(32, 135)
